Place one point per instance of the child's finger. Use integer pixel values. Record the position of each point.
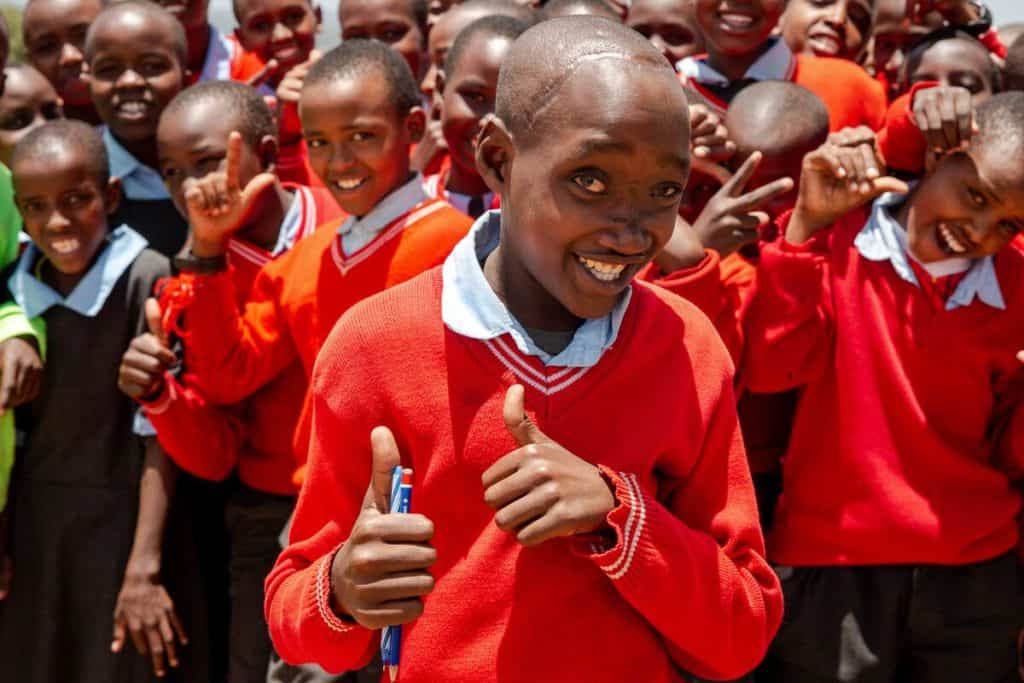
(709, 168)
(390, 558)
(735, 185)
(518, 423)
(261, 76)
(167, 633)
(8, 384)
(514, 484)
(1020, 356)
(234, 158)
(762, 195)
(156, 649)
(396, 587)
(135, 632)
(386, 458)
(872, 160)
(950, 124)
(964, 117)
(825, 159)
(257, 186)
(177, 626)
(889, 184)
(539, 530)
(524, 509)
(117, 643)
(155, 320)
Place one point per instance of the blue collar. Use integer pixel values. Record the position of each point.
(884, 239)
(35, 297)
(356, 233)
(776, 64)
(138, 181)
(471, 308)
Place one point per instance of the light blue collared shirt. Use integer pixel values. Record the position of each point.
(471, 308)
(776, 64)
(138, 181)
(356, 233)
(884, 239)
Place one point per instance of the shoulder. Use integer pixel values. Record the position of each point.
(837, 74)
(150, 264)
(1010, 271)
(436, 225)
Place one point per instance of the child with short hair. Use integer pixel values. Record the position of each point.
(828, 28)
(467, 87)
(569, 8)
(670, 25)
(953, 58)
(899, 322)
(558, 516)
(741, 49)
(53, 32)
(84, 476)
(137, 58)
(28, 101)
(401, 24)
(282, 33)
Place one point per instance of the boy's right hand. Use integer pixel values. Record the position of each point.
(290, 87)
(218, 206)
(148, 357)
(21, 373)
(380, 573)
(839, 176)
(945, 117)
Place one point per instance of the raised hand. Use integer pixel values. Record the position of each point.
(263, 75)
(540, 490)
(945, 117)
(839, 176)
(380, 575)
(290, 87)
(21, 373)
(218, 205)
(732, 217)
(709, 137)
(148, 357)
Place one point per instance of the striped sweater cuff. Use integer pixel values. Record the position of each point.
(323, 596)
(628, 520)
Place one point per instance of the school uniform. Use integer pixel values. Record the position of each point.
(437, 356)
(472, 205)
(896, 527)
(145, 203)
(851, 96)
(76, 484)
(227, 60)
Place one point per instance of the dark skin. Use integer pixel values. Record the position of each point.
(136, 72)
(282, 31)
(468, 94)
(28, 102)
(894, 36)
(192, 15)
(828, 28)
(736, 32)
(54, 33)
(669, 25)
(955, 63)
(389, 21)
(358, 143)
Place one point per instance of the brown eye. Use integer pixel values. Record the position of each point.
(589, 183)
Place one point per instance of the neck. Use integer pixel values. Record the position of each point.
(734, 67)
(86, 113)
(524, 297)
(270, 211)
(198, 44)
(65, 283)
(463, 182)
(143, 150)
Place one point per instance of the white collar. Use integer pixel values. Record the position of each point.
(777, 63)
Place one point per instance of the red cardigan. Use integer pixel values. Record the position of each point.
(891, 458)
(255, 436)
(684, 586)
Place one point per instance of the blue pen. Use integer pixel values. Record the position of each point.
(391, 636)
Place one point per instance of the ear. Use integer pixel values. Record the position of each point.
(495, 151)
(112, 195)
(319, 17)
(267, 151)
(415, 124)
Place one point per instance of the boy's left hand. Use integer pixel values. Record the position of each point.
(709, 137)
(21, 373)
(540, 490)
(145, 612)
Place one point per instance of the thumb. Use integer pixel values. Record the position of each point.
(519, 425)
(1020, 356)
(155, 320)
(314, 56)
(885, 184)
(261, 76)
(385, 459)
(254, 189)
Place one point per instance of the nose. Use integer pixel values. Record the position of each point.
(429, 82)
(69, 55)
(56, 221)
(630, 237)
(839, 14)
(341, 158)
(130, 78)
(280, 33)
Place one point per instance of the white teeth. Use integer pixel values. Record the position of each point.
(955, 245)
(350, 183)
(65, 246)
(606, 272)
(738, 20)
(133, 107)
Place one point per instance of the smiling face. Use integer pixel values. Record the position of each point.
(442, 35)
(28, 102)
(893, 38)
(64, 206)
(669, 26)
(590, 192)
(283, 30)
(358, 143)
(956, 62)
(389, 21)
(136, 70)
(738, 27)
(54, 33)
(828, 28)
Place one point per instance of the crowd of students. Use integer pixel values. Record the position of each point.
(698, 325)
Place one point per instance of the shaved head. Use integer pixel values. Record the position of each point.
(544, 58)
(777, 117)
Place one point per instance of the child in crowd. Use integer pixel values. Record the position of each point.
(557, 515)
(402, 24)
(467, 87)
(28, 102)
(670, 25)
(100, 493)
(568, 8)
(137, 54)
(1013, 68)
(223, 131)
(953, 58)
(899, 322)
(742, 50)
(828, 28)
(211, 56)
(281, 33)
(54, 35)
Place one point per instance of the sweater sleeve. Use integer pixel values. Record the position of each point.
(874, 103)
(202, 439)
(690, 557)
(789, 326)
(233, 354)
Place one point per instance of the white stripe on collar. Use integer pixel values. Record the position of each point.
(356, 233)
(778, 63)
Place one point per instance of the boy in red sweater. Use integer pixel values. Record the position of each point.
(281, 33)
(223, 131)
(828, 28)
(899, 322)
(561, 516)
(742, 50)
(400, 24)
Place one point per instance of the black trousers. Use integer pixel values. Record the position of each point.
(899, 624)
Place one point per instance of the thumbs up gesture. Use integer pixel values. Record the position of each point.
(540, 490)
(148, 357)
(218, 205)
(380, 574)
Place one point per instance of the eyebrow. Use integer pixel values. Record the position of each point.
(986, 185)
(605, 146)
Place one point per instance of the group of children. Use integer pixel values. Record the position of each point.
(776, 243)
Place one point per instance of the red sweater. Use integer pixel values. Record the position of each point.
(891, 458)
(852, 97)
(685, 584)
(256, 436)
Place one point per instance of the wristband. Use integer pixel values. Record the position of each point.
(203, 265)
